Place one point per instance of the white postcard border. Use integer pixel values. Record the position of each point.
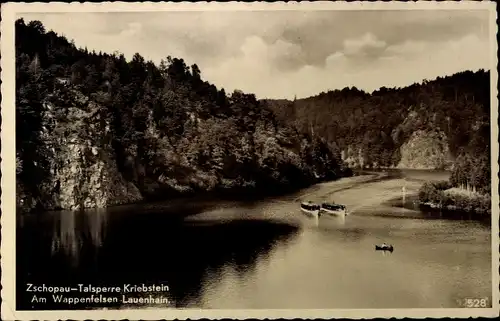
(8, 221)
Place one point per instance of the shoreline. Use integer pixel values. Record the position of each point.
(443, 197)
(389, 196)
(433, 211)
(248, 194)
(199, 198)
(347, 190)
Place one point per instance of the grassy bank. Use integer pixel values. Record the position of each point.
(443, 195)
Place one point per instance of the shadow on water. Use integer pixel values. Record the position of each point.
(410, 174)
(113, 247)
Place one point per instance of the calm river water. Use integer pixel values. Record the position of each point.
(264, 254)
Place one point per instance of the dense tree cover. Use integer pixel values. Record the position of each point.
(442, 195)
(379, 123)
(169, 129)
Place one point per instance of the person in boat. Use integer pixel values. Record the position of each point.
(384, 245)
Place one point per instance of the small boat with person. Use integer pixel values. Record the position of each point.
(310, 208)
(334, 209)
(384, 247)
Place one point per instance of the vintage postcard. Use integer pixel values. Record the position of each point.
(249, 160)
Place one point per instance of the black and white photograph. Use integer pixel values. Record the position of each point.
(236, 160)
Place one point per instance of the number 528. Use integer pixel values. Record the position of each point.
(476, 302)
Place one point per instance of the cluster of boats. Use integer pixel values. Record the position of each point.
(317, 210)
(333, 209)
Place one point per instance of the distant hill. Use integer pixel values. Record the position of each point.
(438, 124)
(95, 130)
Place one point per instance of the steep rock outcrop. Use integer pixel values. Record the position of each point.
(426, 150)
(87, 177)
(82, 165)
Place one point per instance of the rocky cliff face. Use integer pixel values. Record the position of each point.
(82, 165)
(422, 150)
(426, 150)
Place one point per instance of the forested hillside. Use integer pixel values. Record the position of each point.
(94, 129)
(438, 124)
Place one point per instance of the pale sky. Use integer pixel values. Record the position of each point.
(280, 54)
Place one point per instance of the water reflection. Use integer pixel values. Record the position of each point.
(97, 220)
(228, 282)
(112, 248)
(74, 232)
(65, 238)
